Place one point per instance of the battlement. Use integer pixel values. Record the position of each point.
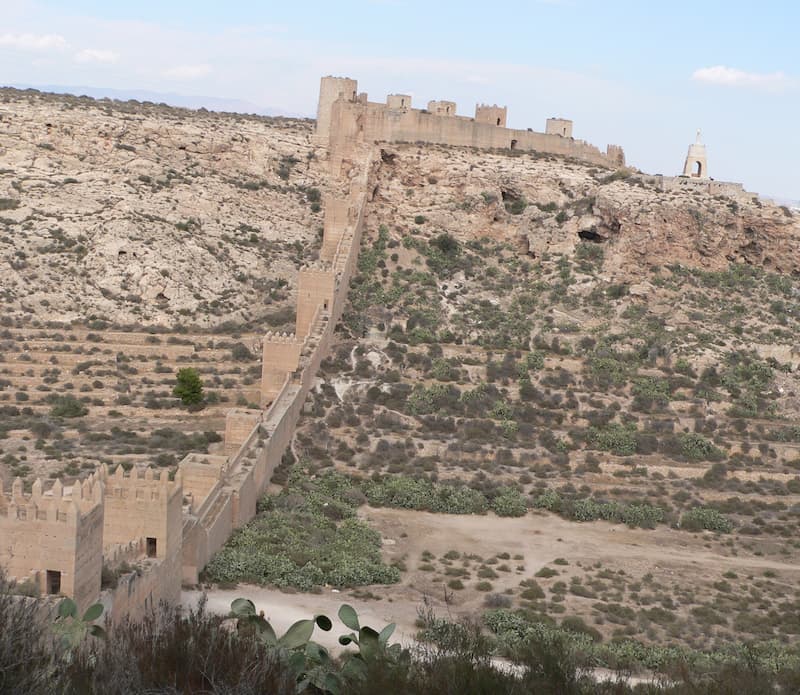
(346, 121)
(442, 108)
(493, 115)
(276, 338)
(316, 286)
(55, 537)
(558, 126)
(616, 155)
(58, 504)
(140, 505)
(140, 484)
(398, 101)
(115, 555)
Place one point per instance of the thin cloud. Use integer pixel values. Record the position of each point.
(188, 72)
(34, 42)
(94, 55)
(731, 77)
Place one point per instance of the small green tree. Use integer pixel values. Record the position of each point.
(189, 387)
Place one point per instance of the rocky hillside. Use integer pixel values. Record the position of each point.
(551, 204)
(527, 334)
(143, 214)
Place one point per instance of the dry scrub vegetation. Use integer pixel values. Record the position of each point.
(137, 239)
(141, 213)
(497, 356)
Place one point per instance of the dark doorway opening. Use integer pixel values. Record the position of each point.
(498, 121)
(152, 547)
(698, 171)
(53, 582)
(513, 144)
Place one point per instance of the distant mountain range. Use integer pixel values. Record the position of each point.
(182, 100)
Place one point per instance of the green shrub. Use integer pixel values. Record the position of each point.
(189, 387)
(705, 518)
(67, 406)
(241, 353)
(575, 624)
(696, 447)
(306, 536)
(616, 438)
(422, 494)
(509, 502)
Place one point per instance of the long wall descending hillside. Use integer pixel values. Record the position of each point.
(260, 439)
(134, 525)
(170, 529)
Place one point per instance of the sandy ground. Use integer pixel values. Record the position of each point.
(538, 538)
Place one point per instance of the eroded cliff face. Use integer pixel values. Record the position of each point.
(138, 213)
(702, 232)
(549, 205)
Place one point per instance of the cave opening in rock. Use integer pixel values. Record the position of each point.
(592, 235)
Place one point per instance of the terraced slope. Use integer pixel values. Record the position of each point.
(71, 397)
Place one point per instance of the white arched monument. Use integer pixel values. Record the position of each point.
(696, 165)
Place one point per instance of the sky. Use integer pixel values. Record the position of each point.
(641, 74)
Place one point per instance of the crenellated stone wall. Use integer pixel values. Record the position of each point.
(350, 119)
(55, 537)
(225, 496)
(168, 530)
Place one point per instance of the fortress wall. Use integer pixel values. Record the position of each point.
(143, 506)
(142, 590)
(57, 532)
(139, 505)
(239, 424)
(200, 474)
(337, 213)
(194, 550)
(683, 183)
(291, 363)
(201, 531)
(142, 513)
(219, 524)
(281, 352)
(373, 122)
(316, 286)
(88, 561)
(115, 555)
(246, 494)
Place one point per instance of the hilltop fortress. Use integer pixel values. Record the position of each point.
(344, 116)
(151, 532)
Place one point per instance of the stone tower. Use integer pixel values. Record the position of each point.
(494, 115)
(696, 165)
(330, 90)
(559, 126)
